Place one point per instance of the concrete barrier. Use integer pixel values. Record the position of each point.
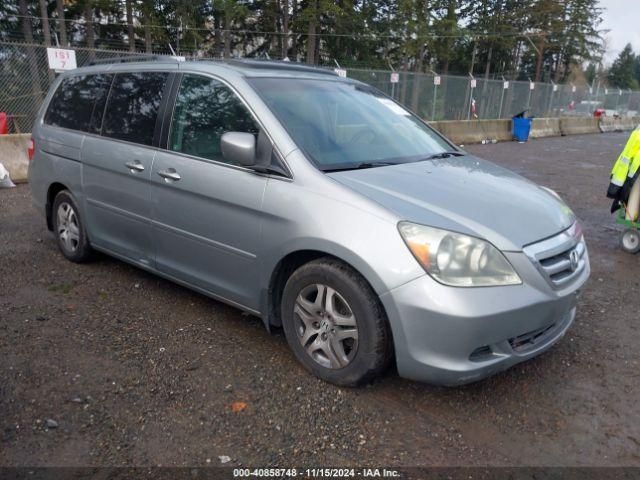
(628, 123)
(579, 125)
(473, 131)
(618, 124)
(545, 127)
(13, 155)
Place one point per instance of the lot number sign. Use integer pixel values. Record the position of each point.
(61, 59)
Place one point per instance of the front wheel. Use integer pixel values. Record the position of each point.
(334, 323)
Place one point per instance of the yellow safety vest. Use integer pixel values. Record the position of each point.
(627, 164)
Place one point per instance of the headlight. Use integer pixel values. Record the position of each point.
(457, 260)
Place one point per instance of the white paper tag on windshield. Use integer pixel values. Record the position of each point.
(394, 107)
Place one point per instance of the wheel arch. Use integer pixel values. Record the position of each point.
(295, 259)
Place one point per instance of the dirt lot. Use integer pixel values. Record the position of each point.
(135, 370)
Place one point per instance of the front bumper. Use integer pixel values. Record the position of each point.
(452, 336)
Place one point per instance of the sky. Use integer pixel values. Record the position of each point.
(622, 18)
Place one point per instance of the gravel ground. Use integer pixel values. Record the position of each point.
(104, 364)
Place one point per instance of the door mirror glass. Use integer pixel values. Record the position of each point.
(239, 148)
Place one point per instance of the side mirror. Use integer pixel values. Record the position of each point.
(239, 148)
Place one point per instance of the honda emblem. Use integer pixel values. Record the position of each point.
(574, 258)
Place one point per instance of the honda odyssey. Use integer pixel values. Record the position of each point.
(316, 203)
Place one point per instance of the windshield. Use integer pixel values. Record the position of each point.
(342, 125)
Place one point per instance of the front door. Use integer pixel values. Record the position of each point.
(206, 212)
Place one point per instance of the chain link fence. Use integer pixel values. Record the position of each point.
(25, 78)
(447, 97)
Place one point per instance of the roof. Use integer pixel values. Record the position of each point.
(245, 67)
(255, 67)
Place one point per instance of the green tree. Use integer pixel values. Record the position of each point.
(622, 73)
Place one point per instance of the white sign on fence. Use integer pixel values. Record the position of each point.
(473, 83)
(555, 87)
(341, 72)
(505, 85)
(395, 77)
(437, 80)
(61, 59)
(573, 89)
(532, 86)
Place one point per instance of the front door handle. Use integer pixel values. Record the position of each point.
(170, 174)
(135, 166)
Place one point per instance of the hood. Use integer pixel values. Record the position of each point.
(467, 195)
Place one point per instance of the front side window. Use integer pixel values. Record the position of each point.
(205, 109)
(74, 104)
(132, 107)
(341, 125)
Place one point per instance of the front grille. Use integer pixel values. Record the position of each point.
(559, 268)
(561, 258)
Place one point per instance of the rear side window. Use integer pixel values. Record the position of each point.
(73, 104)
(132, 107)
(204, 110)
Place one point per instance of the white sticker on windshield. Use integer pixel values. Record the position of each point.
(394, 107)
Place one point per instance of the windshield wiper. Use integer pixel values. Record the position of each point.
(453, 153)
(357, 166)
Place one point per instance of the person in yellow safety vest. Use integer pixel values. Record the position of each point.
(625, 171)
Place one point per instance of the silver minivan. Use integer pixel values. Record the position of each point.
(315, 202)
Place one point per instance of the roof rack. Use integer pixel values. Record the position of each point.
(132, 58)
(278, 65)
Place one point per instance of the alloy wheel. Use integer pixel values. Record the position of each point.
(68, 228)
(326, 326)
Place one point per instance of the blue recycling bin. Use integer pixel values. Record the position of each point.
(521, 128)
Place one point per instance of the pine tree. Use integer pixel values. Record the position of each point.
(622, 73)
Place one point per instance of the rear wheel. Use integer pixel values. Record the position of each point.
(630, 241)
(69, 229)
(334, 323)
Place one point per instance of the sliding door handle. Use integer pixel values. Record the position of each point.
(170, 174)
(135, 166)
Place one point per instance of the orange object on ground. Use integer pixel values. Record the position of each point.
(238, 406)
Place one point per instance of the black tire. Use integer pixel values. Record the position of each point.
(373, 350)
(75, 250)
(630, 241)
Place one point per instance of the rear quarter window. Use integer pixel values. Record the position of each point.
(78, 103)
